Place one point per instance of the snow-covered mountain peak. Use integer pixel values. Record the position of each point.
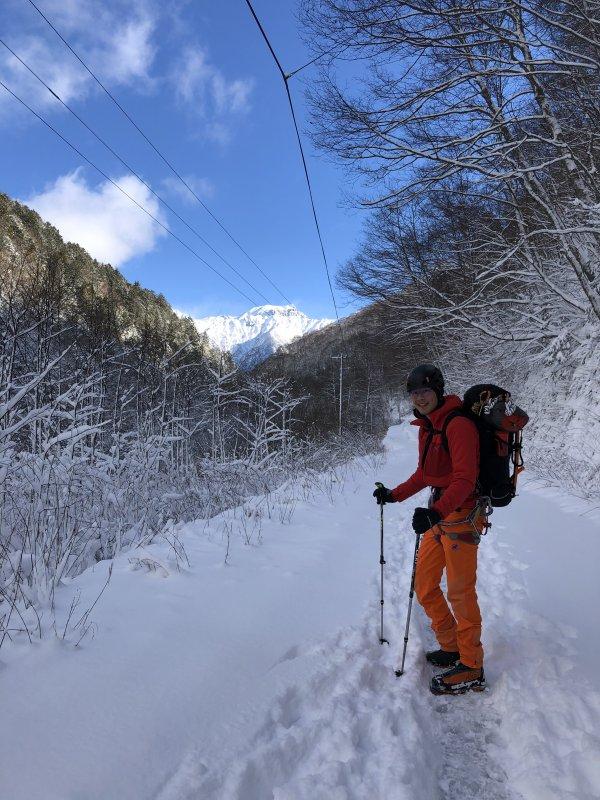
(254, 335)
(267, 310)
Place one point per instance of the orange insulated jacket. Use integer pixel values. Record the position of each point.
(455, 472)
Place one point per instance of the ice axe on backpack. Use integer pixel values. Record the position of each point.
(517, 458)
(381, 562)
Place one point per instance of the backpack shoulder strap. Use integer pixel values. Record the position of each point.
(431, 431)
(458, 412)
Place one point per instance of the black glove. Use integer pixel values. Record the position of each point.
(383, 495)
(425, 518)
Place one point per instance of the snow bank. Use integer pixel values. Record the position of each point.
(184, 662)
(563, 437)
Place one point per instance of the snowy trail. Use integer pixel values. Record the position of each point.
(264, 680)
(354, 731)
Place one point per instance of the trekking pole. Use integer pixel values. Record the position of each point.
(400, 672)
(381, 562)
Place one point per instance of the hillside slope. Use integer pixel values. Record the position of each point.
(561, 441)
(39, 266)
(374, 372)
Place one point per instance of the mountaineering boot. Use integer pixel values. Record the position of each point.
(442, 658)
(458, 680)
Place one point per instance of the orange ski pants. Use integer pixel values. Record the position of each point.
(458, 630)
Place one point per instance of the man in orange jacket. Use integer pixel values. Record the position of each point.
(450, 526)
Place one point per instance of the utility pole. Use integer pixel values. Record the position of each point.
(341, 358)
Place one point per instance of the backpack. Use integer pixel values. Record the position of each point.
(499, 423)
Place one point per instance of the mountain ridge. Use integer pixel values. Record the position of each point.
(256, 334)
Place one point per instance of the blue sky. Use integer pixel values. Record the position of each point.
(199, 80)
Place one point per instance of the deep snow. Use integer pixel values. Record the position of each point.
(264, 678)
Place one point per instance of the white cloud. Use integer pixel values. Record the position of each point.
(192, 77)
(115, 39)
(128, 51)
(201, 186)
(101, 219)
(203, 88)
(217, 132)
(230, 97)
(66, 78)
(117, 35)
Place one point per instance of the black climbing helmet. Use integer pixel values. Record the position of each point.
(426, 376)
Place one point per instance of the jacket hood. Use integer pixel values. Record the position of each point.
(437, 417)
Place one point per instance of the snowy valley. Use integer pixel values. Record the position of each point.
(190, 602)
(191, 579)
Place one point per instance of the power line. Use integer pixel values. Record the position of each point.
(345, 46)
(116, 185)
(285, 78)
(163, 158)
(130, 168)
